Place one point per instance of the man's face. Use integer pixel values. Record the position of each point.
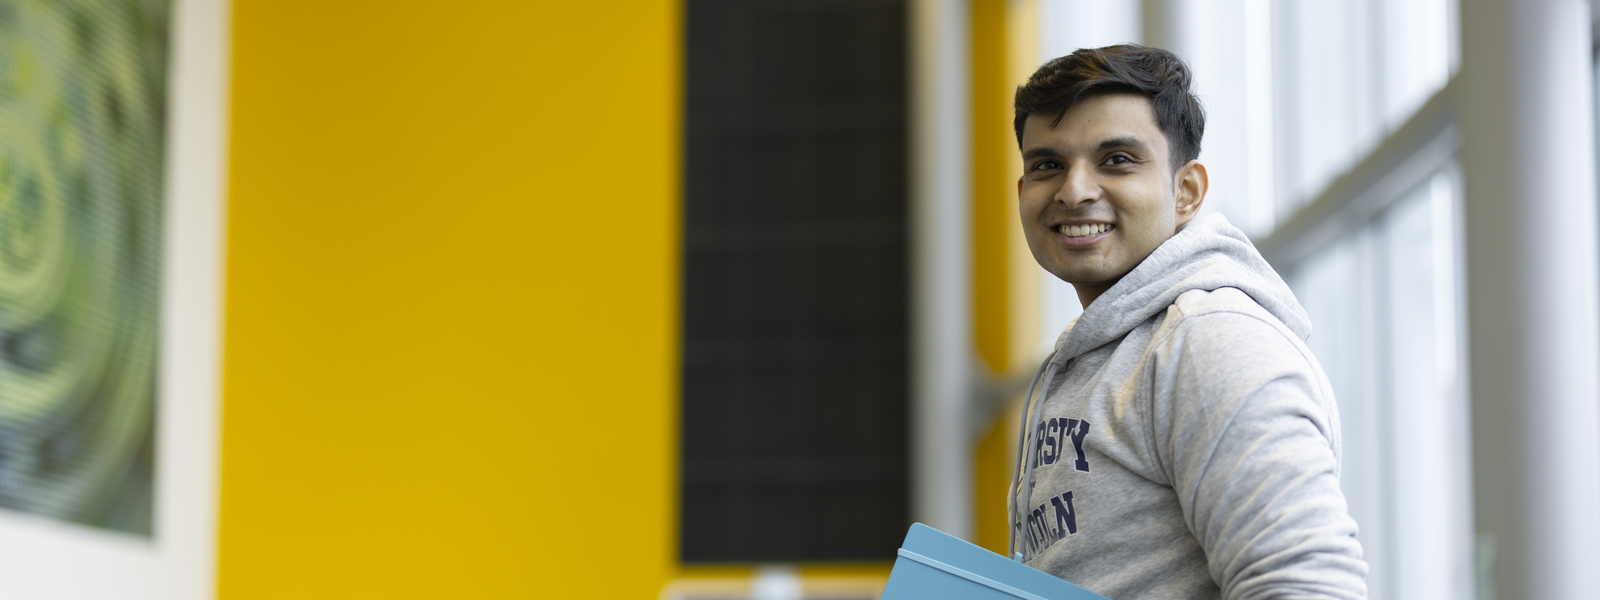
(1097, 194)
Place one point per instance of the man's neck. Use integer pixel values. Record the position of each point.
(1087, 292)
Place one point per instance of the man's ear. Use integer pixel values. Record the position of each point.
(1019, 188)
(1191, 183)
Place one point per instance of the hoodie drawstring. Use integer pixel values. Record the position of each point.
(1025, 466)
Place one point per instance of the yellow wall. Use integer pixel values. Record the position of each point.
(451, 300)
(992, 204)
(992, 208)
(1005, 295)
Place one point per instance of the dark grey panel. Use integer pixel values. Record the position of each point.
(794, 307)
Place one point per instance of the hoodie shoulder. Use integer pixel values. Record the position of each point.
(1194, 303)
(1227, 322)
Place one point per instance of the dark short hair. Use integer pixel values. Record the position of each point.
(1128, 68)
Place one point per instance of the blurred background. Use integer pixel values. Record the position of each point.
(711, 299)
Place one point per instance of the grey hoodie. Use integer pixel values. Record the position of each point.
(1187, 443)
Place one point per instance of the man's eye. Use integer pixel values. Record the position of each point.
(1118, 160)
(1046, 164)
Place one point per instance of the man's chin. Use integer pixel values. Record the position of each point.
(1101, 279)
(1083, 276)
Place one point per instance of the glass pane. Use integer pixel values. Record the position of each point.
(1326, 108)
(1427, 413)
(1336, 288)
(1416, 55)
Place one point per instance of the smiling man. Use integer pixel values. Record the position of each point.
(1184, 443)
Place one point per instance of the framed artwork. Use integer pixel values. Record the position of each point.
(112, 138)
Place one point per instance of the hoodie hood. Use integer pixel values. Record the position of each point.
(1208, 254)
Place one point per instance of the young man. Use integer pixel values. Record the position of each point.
(1185, 443)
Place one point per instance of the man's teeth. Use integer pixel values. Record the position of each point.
(1084, 230)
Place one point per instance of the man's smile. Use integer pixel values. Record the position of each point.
(1081, 234)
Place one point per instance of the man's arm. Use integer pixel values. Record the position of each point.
(1245, 430)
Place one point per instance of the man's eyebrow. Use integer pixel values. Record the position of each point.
(1037, 152)
(1129, 142)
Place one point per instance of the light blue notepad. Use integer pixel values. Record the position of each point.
(934, 565)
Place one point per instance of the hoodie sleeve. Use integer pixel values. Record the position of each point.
(1243, 431)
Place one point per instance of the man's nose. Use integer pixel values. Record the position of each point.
(1079, 186)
